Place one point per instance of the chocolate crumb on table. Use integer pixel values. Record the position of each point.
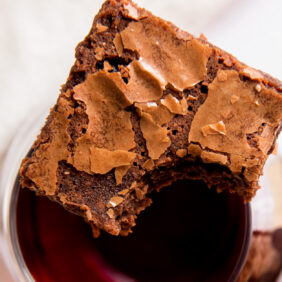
(146, 104)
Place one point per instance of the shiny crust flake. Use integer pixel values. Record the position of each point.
(215, 128)
(237, 120)
(174, 105)
(103, 161)
(174, 61)
(114, 201)
(159, 113)
(143, 86)
(156, 137)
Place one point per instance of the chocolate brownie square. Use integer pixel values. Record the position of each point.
(146, 104)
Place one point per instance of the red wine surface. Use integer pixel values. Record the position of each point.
(190, 233)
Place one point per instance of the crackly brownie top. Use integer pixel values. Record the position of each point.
(241, 103)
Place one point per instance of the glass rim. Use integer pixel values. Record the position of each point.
(246, 244)
(9, 169)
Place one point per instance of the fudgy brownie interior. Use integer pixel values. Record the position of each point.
(147, 104)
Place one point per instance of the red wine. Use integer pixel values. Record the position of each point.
(190, 233)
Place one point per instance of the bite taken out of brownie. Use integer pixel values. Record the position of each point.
(146, 104)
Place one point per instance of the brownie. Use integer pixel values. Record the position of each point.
(146, 104)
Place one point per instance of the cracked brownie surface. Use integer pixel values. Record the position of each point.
(146, 104)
